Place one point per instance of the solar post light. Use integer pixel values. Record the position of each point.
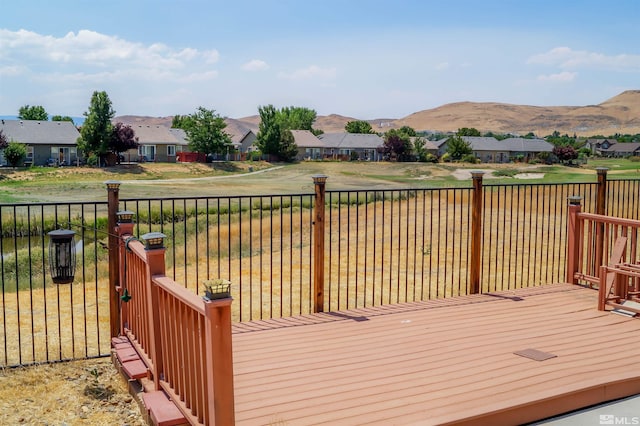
(62, 256)
(154, 240)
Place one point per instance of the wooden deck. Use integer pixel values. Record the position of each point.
(437, 362)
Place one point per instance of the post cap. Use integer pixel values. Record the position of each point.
(602, 170)
(475, 174)
(575, 200)
(125, 216)
(112, 184)
(154, 240)
(319, 178)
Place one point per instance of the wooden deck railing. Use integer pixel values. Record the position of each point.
(184, 340)
(592, 241)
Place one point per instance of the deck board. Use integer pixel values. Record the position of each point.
(435, 362)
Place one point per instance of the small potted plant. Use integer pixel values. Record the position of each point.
(217, 289)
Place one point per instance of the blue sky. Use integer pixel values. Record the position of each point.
(364, 59)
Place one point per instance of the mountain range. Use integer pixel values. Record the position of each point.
(620, 114)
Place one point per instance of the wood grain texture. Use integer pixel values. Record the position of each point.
(436, 362)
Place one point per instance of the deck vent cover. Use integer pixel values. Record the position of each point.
(535, 354)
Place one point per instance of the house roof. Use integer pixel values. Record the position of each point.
(508, 145)
(527, 145)
(236, 130)
(623, 147)
(351, 140)
(306, 139)
(481, 143)
(431, 145)
(154, 134)
(180, 136)
(32, 132)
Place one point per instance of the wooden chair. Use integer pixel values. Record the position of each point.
(616, 278)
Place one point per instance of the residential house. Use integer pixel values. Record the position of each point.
(47, 142)
(527, 149)
(437, 148)
(488, 149)
(309, 146)
(242, 136)
(621, 149)
(491, 150)
(344, 145)
(157, 144)
(599, 146)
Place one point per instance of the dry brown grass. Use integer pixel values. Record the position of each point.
(89, 392)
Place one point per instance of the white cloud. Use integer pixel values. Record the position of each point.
(567, 58)
(560, 77)
(312, 72)
(255, 65)
(89, 48)
(442, 66)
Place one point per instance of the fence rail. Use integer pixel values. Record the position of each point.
(380, 246)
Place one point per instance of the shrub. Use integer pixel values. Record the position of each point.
(15, 153)
(470, 158)
(92, 160)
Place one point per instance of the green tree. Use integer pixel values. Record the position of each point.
(420, 151)
(180, 122)
(468, 131)
(358, 126)
(15, 153)
(269, 132)
(296, 118)
(61, 118)
(35, 112)
(409, 131)
(3, 140)
(288, 147)
(457, 148)
(206, 134)
(274, 137)
(96, 132)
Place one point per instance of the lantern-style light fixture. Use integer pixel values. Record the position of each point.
(319, 179)
(125, 216)
(154, 240)
(62, 256)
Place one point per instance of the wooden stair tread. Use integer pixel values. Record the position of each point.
(162, 410)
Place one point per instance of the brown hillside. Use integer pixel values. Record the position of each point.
(620, 114)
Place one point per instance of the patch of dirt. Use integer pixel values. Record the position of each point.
(465, 174)
(529, 176)
(89, 392)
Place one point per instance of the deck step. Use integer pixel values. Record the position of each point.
(135, 369)
(162, 411)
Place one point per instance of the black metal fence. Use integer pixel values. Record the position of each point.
(380, 246)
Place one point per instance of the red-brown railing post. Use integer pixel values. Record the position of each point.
(318, 237)
(154, 247)
(124, 229)
(601, 208)
(476, 233)
(574, 239)
(219, 362)
(113, 188)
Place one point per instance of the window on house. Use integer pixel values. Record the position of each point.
(171, 150)
(147, 152)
